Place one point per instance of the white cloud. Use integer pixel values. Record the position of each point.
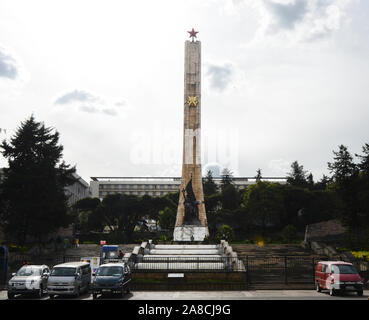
(13, 75)
(279, 167)
(219, 76)
(88, 102)
(299, 20)
(8, 65)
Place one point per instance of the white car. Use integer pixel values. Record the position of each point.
(30, 279)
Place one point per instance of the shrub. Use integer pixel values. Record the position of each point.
(225, 232)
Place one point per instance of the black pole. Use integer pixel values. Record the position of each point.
(285, 270)
(247, 272)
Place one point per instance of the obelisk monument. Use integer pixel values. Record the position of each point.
(191, 223)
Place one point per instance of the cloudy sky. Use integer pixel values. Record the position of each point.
(282, 81)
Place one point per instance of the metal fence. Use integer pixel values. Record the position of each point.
(288, 270)
(187, 264)
(260, 271)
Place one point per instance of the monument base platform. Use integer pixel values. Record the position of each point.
(190, 233)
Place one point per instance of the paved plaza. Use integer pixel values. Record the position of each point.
(220, 295)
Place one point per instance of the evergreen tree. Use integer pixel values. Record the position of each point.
(227, 178)
(364, 164)
(34, 182)
(363, 189)
(345, 183)
(210, 186)
(322, 183)
(310, 181)
(343, 168)
(297, 176)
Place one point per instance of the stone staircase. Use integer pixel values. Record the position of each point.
(183, 257)
(278, 266)
(270, 250)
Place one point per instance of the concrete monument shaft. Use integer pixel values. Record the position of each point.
(191, 166)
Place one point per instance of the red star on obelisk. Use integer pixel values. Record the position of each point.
(193, 33)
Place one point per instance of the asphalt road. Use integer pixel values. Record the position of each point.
(216, 295)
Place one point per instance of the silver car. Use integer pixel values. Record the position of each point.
(70, 278)
(29, 279)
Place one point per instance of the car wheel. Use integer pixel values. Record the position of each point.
(128, 290)
(360, 293)
(94, 296)
(10, 296)
(318, 288)
(39, 292)
(77, 292)
(51, 296)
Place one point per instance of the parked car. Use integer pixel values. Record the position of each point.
(337, 277)
(29, 279)
(71, 278)
(111, 278)
(109, 253)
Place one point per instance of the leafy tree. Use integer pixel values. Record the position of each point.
(34, 182)
(289, 233)
(296, 202)
(264, 205)
(120, 213)
(85, 216)
(212, 206)
(230, 197)
(167, 218)
(297, 176)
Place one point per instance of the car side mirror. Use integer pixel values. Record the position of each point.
(13, 274)
(77, 275)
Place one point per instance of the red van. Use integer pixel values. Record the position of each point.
(337, 277)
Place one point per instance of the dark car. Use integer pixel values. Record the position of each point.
(111, 278)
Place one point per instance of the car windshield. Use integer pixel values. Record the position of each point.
(344, 269)
(110, 255)
(29, 271)
(63, 272)
(110, 271)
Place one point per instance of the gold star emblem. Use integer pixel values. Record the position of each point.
(192, 101)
